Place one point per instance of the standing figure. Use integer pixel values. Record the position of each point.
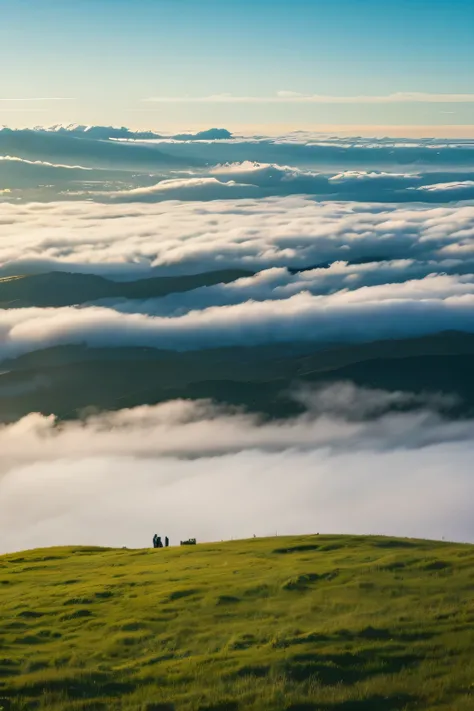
(155, 541)
(167, 541)
(159, 544)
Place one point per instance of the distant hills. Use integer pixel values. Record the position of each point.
(70, 379)
(123, 133)
(56, 289)
(88, 152)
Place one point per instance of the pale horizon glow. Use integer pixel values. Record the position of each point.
(39, 98)
(269, 129)
(274, 129)
(285, 97)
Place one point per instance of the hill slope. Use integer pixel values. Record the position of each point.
(303, 623)
(67, 380)
(66, 289)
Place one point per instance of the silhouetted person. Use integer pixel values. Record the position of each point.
(159, 544)
(167, 541)
(155, 541)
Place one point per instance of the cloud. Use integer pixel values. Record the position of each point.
(442, 187)
(296, 97)
(414, 308)
(279, 283)
(329, 153)
(54, 147)
(15, 159)
(202, 471)
(187, 189)
(43, 180)
(243, 180)
(346, 401)
(249, 179)
(120, 148)
(132, 240)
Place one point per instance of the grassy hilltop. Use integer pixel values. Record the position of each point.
(298, 623)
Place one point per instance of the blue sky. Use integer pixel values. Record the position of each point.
(105, 58)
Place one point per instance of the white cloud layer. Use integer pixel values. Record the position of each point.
(384, 272)
(409, 309)
(188, 469)
(119, 148)
(179, 237)
(242, 180)
(254, 180)
(278, 283)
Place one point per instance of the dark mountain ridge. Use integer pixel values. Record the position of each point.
(54, 289)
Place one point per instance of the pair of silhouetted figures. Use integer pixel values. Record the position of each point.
(157, 542)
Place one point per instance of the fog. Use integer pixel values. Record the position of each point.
(191, 469)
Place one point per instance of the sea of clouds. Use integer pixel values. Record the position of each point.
(370, 271)
(348, 240)
(114, 164)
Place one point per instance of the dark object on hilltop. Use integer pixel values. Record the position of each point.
(157, 541)
(189, 542)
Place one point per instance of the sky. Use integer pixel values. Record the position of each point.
(162, 63)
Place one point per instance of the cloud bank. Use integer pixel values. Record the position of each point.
(414, 308)
(55, 147)
(253, 180)
(173, 237)
(325, 272)
(280, 283)
(194, 470)
(108, 147)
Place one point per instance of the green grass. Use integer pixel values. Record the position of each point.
(298, 623)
